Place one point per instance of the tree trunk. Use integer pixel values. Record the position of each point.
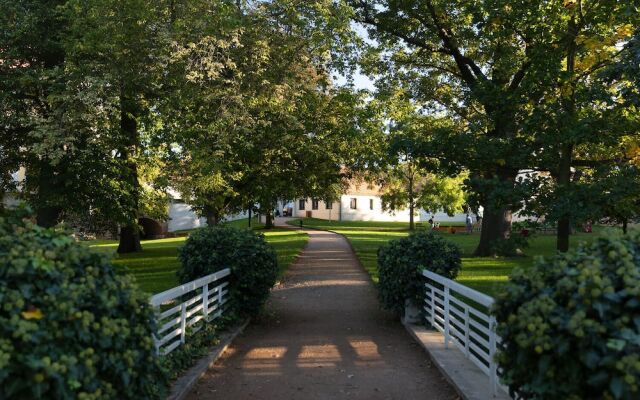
(412, 205)
(50, 196)
(564, 180)
(129, 234)
(412, 225)
(496, 225)
(129, 240)
(249, 218)
(48, 217)
(269, 219)
(212, 216)
(625, 223)
(566, 150)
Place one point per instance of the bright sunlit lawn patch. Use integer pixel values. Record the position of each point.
(486, 274)
(155, 267)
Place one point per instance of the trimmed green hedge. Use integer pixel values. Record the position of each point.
(400, 264)
(253, 264)
(570, 325)
(70, 328)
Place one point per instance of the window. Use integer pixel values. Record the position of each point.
(354, 203)
(328, 205)
(370, 204)
(314, 204)
(301, 204)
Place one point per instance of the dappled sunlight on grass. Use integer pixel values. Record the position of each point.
(486, 274)
(155, 267)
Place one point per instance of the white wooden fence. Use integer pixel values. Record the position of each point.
(184, 306)
(462, 315)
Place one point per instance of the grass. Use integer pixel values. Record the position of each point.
(486, 274)
(155, 267)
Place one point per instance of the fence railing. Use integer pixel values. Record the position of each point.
(462, 315)
(185, 306)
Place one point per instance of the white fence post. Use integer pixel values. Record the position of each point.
(466, 331)
(433, 307)
(205, 302)
(492, 352)
(184, 306)
(447, 329)
(183, 323)
(470, 328)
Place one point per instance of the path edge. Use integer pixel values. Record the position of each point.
(353, 250)
(183, 385)
(464, 377)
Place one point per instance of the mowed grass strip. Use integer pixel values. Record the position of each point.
(485, 274)
(154, 269)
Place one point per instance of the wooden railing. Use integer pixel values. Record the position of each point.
(462, 315)
(186, 307)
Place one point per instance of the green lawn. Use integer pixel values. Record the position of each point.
(486, 274)
(155, 267)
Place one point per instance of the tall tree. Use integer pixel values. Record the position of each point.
(259, 120)
(488, 65)
(582, 116)
(122, 45)
(31, 59)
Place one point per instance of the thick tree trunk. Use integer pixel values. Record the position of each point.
(566, 150)
(130, 234)
(212, 216)
(496, 225)
(129, 240)
(269, 219)
(48, 217)
(564, 180)
(49, 197)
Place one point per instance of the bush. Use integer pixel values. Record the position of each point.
(512, 246)
(69, 327)
(570, 325)
(253, 263)
(400, 264)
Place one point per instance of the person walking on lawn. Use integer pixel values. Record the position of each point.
(469, 224)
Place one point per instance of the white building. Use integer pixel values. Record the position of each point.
(362, 202)
(182, 216)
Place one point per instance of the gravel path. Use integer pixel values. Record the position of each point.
(324, 337)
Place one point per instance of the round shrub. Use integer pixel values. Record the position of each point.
(253, 264)
(69, 327)
(570, 325)
(400, 264)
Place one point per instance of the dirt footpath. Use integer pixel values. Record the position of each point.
(324, 337)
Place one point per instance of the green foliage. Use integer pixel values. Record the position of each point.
(521, 85)
(69, 326)
(518, 240)
(570, 325)
(197, 346)
(253, 264)
(401, 261)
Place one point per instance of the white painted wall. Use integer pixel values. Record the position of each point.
(181, 216)
(322, 212)
(363, 211)
(443, 217)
